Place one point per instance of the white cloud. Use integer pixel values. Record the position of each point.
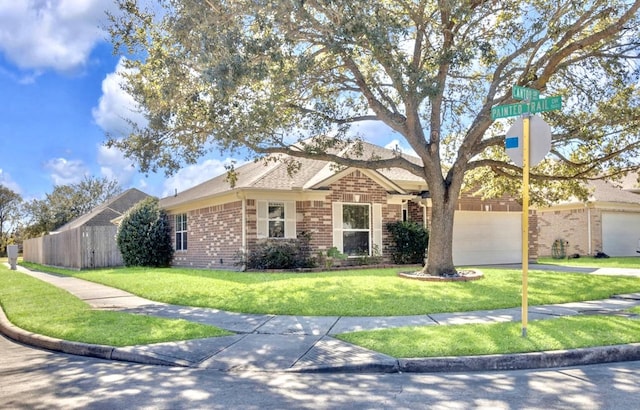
(195, 174)
(58, 34)
(65, 172)
(115, 166)
(394, 144)
(115, 106)
(7, 181)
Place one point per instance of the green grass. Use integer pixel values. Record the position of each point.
(42, 308)
(500, 338)
(351, 293)
(632, 262)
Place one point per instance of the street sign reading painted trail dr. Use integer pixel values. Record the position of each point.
(530, 107)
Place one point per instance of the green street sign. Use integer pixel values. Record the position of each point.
(531, 107)
(524, 93)
(545, 104)
(507, 110)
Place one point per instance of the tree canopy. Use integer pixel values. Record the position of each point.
(295, 76)
(9, 215)
(67, 202)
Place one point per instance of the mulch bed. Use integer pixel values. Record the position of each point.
(464, 275)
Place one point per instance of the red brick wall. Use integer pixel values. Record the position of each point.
(214, 237)
(416, 212)
(315, 217)
(359, 188)
(468, 202)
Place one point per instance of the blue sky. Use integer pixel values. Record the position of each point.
(60, 90)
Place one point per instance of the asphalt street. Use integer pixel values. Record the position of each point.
(37, 379)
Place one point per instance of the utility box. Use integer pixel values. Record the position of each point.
(12, 253)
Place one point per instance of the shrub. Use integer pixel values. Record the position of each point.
(144, 236)
(410, 240)
(281, 254)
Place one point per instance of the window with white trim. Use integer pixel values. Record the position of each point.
(356, 229)
(276, 219)
(181, 232)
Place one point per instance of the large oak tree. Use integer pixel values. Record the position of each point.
(294, 76)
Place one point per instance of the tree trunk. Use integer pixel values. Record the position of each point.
(440, 249)
(444, 199)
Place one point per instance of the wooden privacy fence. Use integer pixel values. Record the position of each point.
(80, 248)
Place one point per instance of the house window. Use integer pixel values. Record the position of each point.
(356, 232)
(181, 232)
(276, 220)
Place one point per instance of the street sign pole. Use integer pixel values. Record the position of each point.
(532, 104)
(525, 222)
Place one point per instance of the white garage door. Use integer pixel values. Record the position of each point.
(487, 238)
(620, 233)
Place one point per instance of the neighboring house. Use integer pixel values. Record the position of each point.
(346, 208)
(609, 221)
(87, 241)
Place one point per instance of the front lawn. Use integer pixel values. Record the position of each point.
(42, 308)
(373, 292)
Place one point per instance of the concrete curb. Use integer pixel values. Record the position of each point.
(521, 361)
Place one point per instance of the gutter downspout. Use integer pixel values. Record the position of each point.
(243, 249)
(589, 227)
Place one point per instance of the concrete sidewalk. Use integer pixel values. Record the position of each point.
(305, 344)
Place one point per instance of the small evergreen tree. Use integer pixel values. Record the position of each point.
(410, 240)
(144, 235)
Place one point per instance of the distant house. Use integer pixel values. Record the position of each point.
(87, 241)
(346, 208)
(609, 221)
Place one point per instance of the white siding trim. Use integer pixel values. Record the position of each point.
(262, 208)
(290, 219)
(262, 212)
(376, 233)
(337, 225)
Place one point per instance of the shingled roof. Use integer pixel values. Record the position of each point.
(274, 175)
(604, 191)
(103, 214)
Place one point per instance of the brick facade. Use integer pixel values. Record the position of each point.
(468, 202)
(314, 217)
(573, 226)
(214, 237)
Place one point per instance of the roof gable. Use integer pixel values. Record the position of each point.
(102, 214)
(311, 174)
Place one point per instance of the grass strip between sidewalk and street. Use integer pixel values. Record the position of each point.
(44, 309)
(498, 338)
(367, 292)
